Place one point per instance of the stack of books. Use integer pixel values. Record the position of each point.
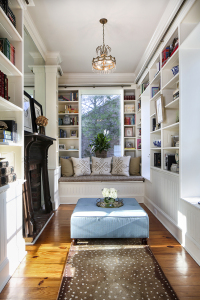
(169, 51)
(7, 174)
(4, 86)
(10, 134)
(7, 49)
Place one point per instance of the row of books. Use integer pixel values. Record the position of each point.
(144, 86)
(7, 49)
(129, 120)
(129, 97)
(10, 134)
(73, 97)
(169, 51)
(7, 174)
(4, 85)
(4, 5)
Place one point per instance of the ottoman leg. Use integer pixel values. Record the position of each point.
(144, 241)
(74, 242)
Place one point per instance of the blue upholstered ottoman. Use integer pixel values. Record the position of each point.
(91, 221)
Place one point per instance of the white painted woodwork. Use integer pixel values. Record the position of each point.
(40, 86)
(70, 192)
(12, 246)
(145, 133)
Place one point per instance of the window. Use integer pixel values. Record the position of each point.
(100, 114)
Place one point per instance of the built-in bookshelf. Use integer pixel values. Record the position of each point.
(68, 122)
(160, 90)
(12, 150)
(129, 125)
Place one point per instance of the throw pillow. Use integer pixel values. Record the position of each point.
(135, 166)
(81, 166)
(66, 167)
(121, 165)
(101, 166)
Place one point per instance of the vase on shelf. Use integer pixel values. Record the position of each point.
(42, 130)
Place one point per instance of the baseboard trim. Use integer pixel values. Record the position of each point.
(186, 241)
(4, 273)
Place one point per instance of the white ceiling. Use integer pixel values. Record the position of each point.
(72, 28)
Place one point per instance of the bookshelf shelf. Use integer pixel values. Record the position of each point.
(67, 102)
(7, 67)
(173, 104)
(7, 30)
(172, 60)
(6, 105)
(171, 84)
(71, 138)
(68, 126)
(62, 114)
(172, 126)
(129, 125)
(155, 96)
(70, 150)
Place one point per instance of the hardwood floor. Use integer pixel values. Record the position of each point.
(40, 273)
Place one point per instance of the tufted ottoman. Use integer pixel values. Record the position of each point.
(91, 221)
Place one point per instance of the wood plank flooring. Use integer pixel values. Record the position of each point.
(40, 273)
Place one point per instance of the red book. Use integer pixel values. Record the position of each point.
(2, 85)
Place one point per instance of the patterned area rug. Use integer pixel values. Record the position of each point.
(113, 269)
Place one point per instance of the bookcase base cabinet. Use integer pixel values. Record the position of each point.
(12, 246)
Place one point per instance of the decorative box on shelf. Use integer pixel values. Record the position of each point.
(129, 108)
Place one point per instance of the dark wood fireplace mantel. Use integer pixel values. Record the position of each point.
(36, 178)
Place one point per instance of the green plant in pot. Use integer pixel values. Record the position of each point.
(100, 145)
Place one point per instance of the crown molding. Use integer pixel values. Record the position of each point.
(53, 58)
(96, 78)
(30, 26)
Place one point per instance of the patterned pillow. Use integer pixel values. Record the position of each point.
(101, 166)
(121, 165)
(81, 166)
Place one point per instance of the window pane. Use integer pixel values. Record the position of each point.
(100, 113)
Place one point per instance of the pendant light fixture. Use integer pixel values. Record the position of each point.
(103, 63)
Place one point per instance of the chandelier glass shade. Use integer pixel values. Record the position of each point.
(103, 63)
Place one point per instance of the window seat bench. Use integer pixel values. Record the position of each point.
(73, 188)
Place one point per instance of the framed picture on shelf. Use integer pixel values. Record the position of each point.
(128, 132)
(62, 147)
(154, 90)
(28, 113)
(73, 133)
(159, 110)
(129, 144)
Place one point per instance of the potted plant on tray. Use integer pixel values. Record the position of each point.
(100, 145)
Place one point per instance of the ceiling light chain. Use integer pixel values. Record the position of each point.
(103, 63)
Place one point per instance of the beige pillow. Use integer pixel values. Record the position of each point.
(81, 166)
(66, 167)
(101, 166)
(135, 166)
(121, 165)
